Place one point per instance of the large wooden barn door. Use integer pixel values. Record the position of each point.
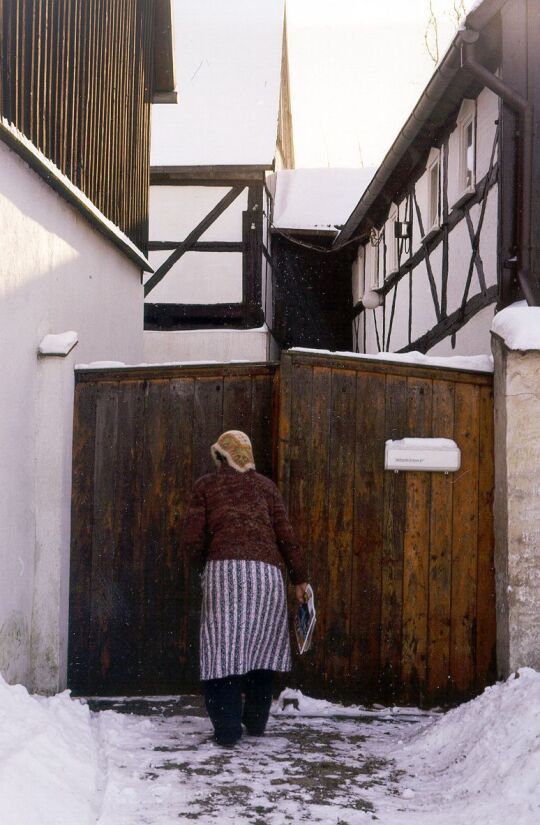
(141, 437)
(402, 564)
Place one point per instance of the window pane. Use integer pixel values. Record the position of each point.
(434, 195)
(469, 156)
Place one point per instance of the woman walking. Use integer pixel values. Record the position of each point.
(237, 523)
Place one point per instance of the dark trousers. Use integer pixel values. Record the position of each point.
(223, 699)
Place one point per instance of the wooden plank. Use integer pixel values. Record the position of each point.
(464, 542)
(208, 421)
(368, 535)
(207, 427)
(237, 403)
(440, 558)
(416, 546)
(104, 542)
(486, 626)
(340, 525)
(300, 478)
(188, 175)
(82, 521)
(201, 316)
(153, 524)
(262, 433)
(318, 467)
(392, 547)
(181, 665)
(284, 435)
(200, 246)
(127, 652)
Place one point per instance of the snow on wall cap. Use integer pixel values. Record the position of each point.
(100, 365)
(519, 326)
(58, 344)
(423, 443)
(471, 363)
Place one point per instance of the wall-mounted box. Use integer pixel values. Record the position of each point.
(431, 454)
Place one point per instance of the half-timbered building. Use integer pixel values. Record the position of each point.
(447, 231)
(77, 79)
(210, 294)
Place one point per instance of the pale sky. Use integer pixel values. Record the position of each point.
(357, 69)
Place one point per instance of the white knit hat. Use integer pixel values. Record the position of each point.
(235, 447)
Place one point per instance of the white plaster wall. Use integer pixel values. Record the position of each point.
(399, 336)
(206, 345)
(56, 274)
(472, 339)
(487, 113)
(198, 277)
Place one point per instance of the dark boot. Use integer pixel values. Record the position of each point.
(223, 698)
(257, 685)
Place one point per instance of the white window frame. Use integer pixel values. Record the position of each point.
(466, 119)
(359, 273)
(433, 215)
(371, 270)
(391, 242)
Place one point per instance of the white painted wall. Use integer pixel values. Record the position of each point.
(475, 336)
(56, 274)
(206, 345)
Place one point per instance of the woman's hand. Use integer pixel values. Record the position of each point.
(300, 590)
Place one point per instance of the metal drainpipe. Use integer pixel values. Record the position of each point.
(529, 285)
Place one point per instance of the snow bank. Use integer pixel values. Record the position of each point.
(48, 760)
(481, 762)
(474, 363)
(519, 326)
(292, 702)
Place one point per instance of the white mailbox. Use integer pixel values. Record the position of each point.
(432, 454)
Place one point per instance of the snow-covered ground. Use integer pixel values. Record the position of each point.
(153, 762)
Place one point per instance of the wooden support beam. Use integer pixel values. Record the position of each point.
(201, 316)
(200, 246)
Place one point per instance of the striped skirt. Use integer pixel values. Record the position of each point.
(244, 624)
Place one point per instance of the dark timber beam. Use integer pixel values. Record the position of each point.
(200, 246)
(206, 175)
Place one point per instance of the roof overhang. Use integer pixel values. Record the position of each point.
(439, 102)
(164, 87)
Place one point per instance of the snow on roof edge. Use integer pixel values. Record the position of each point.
(49, 172)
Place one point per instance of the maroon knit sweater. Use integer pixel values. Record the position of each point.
(235, 515)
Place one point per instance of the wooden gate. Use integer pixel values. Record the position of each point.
(141, 437)
(402, 564)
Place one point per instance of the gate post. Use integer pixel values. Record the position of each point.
(517, 506)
